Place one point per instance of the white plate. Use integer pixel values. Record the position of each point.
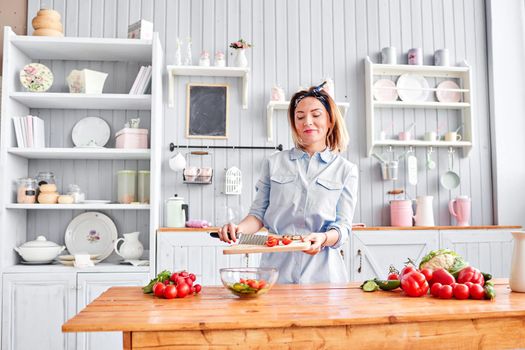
(36, 77)
(46, 262)
(385, 90)
(72, 263)
(91, 233)
(442, 95)
(90, 132)
(95, 201)
(72, 257)
(410, 88)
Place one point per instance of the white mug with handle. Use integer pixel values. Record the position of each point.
(177, 162)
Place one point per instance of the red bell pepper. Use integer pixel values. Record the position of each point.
(442, 276)
(471, 274)
(414, 284)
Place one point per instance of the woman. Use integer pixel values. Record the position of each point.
(309, 190)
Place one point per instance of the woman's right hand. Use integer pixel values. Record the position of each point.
(228, 233)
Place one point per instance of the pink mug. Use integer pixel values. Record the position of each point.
(460, 209)
(401, 213)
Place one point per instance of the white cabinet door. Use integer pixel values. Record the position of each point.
(34, 307)
(198, 253)
(374, 251)
(92, 285)
(488, 250)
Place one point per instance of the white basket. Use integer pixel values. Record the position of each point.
(233, 181)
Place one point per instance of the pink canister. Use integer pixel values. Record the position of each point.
(401, 213)
(131, 138)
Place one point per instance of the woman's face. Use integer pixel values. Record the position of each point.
(312, 123)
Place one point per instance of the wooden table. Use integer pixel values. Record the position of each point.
(306, 317)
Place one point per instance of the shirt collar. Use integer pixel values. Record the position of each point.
(326, 155)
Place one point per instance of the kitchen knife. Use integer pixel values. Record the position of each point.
(246, 238)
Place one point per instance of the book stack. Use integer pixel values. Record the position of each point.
(29, 131)
(142, 81)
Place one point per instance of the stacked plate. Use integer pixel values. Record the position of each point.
(69, 260)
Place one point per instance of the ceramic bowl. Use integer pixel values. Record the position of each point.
(249, 282)
(39, 250)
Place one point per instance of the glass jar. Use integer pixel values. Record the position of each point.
(127, 180)
(26, 190)
(76, 193)
(143, 186)
(45, 177)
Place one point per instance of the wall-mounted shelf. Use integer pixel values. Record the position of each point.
(60, 100)
(283, 105)
(81, 153)
(111, 206)
(243, 73)
(389, 71)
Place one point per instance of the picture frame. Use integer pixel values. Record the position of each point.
(207, 107)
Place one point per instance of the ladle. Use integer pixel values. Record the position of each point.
(450, 180)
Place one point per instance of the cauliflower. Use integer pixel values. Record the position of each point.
(443, 258)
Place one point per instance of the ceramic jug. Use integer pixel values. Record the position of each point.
(517, 269)
(131, 249)
(176, 212)
(401, 213)
(460, 209)
(424, 212)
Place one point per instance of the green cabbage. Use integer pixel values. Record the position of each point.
(443, 258)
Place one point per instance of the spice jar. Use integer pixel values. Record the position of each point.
(26, 191)
(143, 186)
(45, 177)
(127, 185)
(75, 192)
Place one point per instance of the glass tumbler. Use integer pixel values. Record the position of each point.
(127, 180)
(143, 186)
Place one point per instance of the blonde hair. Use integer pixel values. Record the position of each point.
(337, 136)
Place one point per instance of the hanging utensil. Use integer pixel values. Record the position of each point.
(412, 169)
(430, 163)
(450, 180)
(459, 128)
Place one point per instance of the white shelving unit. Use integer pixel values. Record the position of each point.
(243, 73)
(283, 105)
(21, 162)
(463, 74)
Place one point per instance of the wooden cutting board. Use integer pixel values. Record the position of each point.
(250, 248)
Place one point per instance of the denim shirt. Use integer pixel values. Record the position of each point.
(298, 194)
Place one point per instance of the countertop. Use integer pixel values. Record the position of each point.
(128, 309)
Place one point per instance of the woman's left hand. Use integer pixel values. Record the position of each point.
(317, 239)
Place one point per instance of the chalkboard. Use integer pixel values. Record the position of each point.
(207, 111)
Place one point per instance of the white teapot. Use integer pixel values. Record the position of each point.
(131, 249)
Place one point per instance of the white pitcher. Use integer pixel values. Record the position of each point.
(424, 212)
(517, 270)
(131, 249)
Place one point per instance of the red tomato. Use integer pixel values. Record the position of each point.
(461, 291)
(182, 290)
(286, 240)
(166, 282)
(242, 280)
(393, 276)
(253, 284)
(427, 273)
(453, 285)
(158, 289)
(414, 284)
(184, 274)
(192, 276)
(198, 288)
(470, 274)
(180, 280)
(445, 292)
(468, 284)
(477, 292)
(271, 242)
(170, 292)
(406, 270)
(434, 290)
(174, 277)
(262, 283)
(189, 281)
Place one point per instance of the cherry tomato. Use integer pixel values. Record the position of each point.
(286, 240)
(158, 289)
(253, 284)
(166, 282)
(192, 276)
(170, 292)
(271, 242)
(184, 274)
(198, 288)
(182, 290)
(468, 284)
(180, 280)
(242, 280)
(461, 291)
(262, 283)
(477, 292)
(189, 281)
(445, 292)
(427, 273)
(393, 276)
(434, 290)
(174, 277)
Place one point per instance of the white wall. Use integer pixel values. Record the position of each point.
(299, 42)
(506, 37)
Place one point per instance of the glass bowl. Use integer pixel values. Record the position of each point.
(249, 282)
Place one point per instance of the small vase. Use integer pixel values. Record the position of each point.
(240, 59)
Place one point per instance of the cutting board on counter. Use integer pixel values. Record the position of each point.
(251, 248)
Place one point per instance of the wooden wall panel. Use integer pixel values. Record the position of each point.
(297, 43)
